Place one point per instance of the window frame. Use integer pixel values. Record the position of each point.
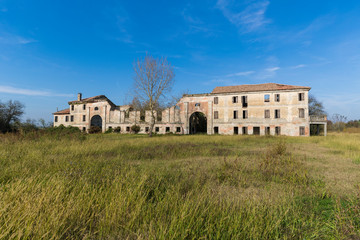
(267, 98)
(236, 114)
(267, 113)
(216, 114)
(277, 97)
(216, 100)
(235, 99)
(277, 114)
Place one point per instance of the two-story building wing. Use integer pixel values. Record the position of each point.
(260, 109)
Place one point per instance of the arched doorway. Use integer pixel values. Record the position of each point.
(198, 123)
(96, 121)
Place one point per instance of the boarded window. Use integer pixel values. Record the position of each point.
(245, 114)
(277, 97)
(216, 115)
(216, 100)
(256, 130)
(277, 113)
(301, 113)
(277, 130)
(301, 96)
(244, 101)
(235, 114)
(267, 113)
(266, 98)
(56, 118)
(244, 130)
(302, 131)
(216, 130)
(234, 99)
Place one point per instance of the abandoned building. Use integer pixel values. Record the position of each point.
(258, 109)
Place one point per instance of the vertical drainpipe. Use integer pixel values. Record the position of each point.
(210, 118)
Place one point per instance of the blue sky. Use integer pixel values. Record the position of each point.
(51, 50)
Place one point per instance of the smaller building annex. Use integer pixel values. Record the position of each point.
(258, 109)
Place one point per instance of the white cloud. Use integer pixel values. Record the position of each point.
(248, 19)
(240, 74)
(273, 69)
(298, 66)
(6, 38)
(29, 92)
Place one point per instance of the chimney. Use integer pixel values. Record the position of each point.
(79, 96)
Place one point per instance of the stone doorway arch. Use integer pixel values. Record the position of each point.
(197, 123)
(96, 121)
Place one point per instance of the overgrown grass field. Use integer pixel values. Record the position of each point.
(113, 186)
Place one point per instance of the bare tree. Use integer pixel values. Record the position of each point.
(154, 78)
(315, 106)
(10, 112)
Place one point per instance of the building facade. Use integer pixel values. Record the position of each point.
(261, 109)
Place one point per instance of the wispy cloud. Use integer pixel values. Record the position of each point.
(298, 66)
(29, 92)
(7, 38)
(273, 69)
(247, 18)
(240, 74)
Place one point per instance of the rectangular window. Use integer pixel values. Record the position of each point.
(267, 98)
(197, 104)
(128, 129)
(277, 113)
(216, 115)
(146, 129)
(245, 114)
(157, 129)
(56, 118)
(236, 130)
(235, 114)
(267, 130)
(167, 129)
(84, 107)
(66, 118)
(84, 129)
(302, 131)
(267, 113)
(72, 107)
(277, 97)
(256, 130)
(244, 130)
(84, 118)
(216, 100)
(277, 130)
(301, 96)
(178, 129)
(244, 101)
(216, 130)
(71, 118)
(301, 113)
(234, 99)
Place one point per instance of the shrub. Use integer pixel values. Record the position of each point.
(135, 128)
(94, 129)
(110, 130)
(117, 129)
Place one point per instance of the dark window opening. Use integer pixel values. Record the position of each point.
(167, 129)
(142, 115)
(301, 113)
(245, 114)
(216, 130)
(266, 98)
(235, 99)
(267, 130)
(146, 129)
(277, 130)
(56, 118)
(197, 123)
(277, 97)
(236, 130)
(244, 130)
(128, 129)
(84, 118)
(216, 115)
(216, 100)
(256, 130)
(235, 114)
(72, 107)
(302, 131)
(197, 104)
(71, 118)
(66, 118)
(159, 116)
(96, 108)
(301, 96)
(277, 113)
(244, 101)
(84, 129)
(84, 107)
(157, 129)
(178, 129)
(267, 113)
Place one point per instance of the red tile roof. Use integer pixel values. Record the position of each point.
(62, 112)
(97, 98)
(257, 87)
